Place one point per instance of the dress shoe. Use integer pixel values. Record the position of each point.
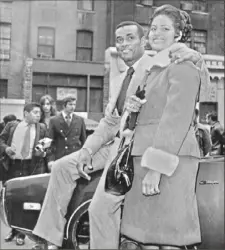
(51, 246)
(11, 235)
(39, 246)
(20, 239)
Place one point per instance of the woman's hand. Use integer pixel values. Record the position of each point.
(150, 184)
(133, 103)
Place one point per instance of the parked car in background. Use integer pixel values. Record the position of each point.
(22, 198)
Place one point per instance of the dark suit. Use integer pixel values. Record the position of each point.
(203, 138)
(37, 164)
(66, 139)
(216, 132)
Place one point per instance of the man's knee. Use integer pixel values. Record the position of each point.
(57, 167)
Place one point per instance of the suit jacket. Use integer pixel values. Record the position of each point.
(155, 129)
(66, 139)
(203, 138)
(6, 140)
(216, 132)
(109, 125)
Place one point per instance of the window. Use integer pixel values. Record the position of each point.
(200, 5)
(85, 5)
(3, 88)
(198, 41)
(5, 41)
(96, 94)
(46, 42)
(84, 45)
(6, 12)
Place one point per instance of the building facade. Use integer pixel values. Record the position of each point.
(54, 47)
(207, 37)
(58, 47)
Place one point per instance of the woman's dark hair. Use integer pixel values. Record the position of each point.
(53, 110)
(181, 19)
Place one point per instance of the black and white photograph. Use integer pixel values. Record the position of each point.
(112, 124)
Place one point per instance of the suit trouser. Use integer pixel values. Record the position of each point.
(51, 221)
(105, 213)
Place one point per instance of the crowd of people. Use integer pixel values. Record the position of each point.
(19, 138)
(165, 152)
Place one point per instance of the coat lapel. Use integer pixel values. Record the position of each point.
(11, 133)
(161, 61)
(63, 123)
(144, 64)
(72, 123)
(115, 87)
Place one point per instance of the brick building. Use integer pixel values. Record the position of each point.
(57, 47)
(54, 47)
(207, 37)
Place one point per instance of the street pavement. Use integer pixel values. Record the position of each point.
(12, 245)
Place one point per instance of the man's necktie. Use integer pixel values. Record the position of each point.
(26, 143)
(123, 91)
(67, 117)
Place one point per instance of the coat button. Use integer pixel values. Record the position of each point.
(65, 138)
(66, 147)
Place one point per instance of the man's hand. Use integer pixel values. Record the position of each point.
(179, 52)
(150, 184)
(50, 164)
(84, 160)
(40, 153)
(133, 103)
(10, 152)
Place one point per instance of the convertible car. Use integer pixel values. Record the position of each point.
(21, 201)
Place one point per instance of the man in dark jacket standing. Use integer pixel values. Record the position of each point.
(202, 135)
(17, 149)
(67, 130)
(217, 133)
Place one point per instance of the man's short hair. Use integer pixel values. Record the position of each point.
(9, 118)
(69, 98)
(129, 23)
(213, 115)
(30, 106)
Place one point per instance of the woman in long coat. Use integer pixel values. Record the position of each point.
(161, 207)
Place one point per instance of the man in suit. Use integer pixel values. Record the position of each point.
(50, 225)
(216, 132)
(6, 119)
(104, 210)
(67, 130)
(17, 146)
(202, 135)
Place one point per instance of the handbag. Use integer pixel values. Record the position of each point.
(120, 173)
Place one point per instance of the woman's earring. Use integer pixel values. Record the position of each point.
(177, 39)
